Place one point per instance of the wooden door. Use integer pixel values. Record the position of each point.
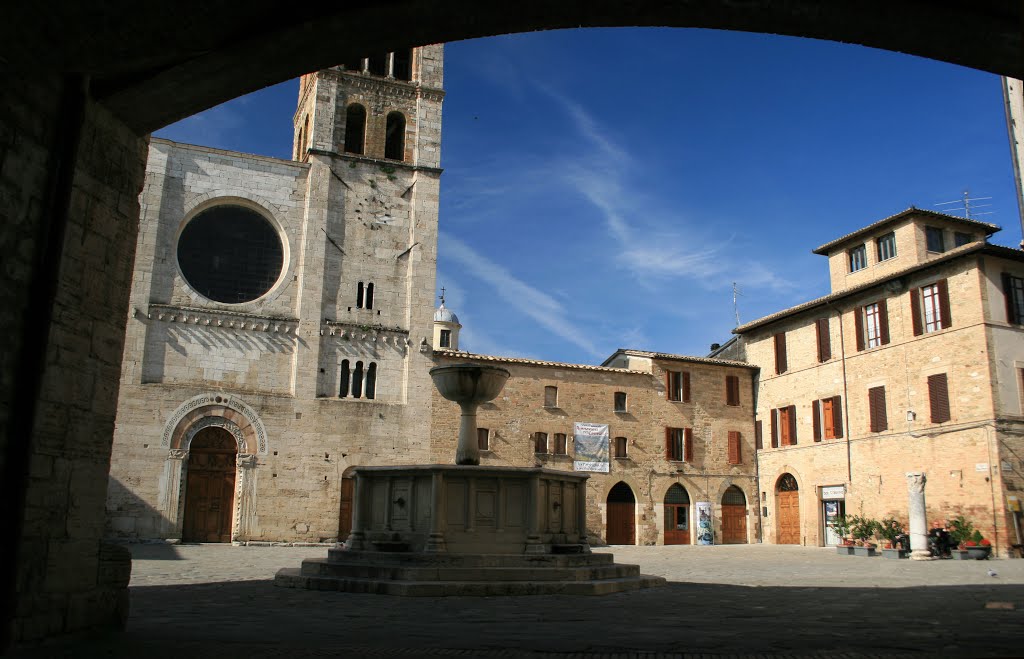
(789, 517)
(345, 514)
(210, 488)
(621, 528)
(734, 524)
(677, 524)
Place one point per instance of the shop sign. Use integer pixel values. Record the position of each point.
(833, 492)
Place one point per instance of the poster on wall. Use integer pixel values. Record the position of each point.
(590, 447)
(705, 525)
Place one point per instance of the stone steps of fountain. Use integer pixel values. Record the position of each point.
(326, 568)
(294, 578)
(439, 560)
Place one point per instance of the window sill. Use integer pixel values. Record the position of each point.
(621, 411)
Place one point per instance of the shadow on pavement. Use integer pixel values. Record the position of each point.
(256, 619)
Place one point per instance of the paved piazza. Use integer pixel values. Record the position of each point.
(756, 600)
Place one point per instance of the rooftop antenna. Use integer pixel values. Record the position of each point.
(965, 206)
(735, 303)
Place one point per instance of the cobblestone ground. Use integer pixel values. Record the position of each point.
(757, 600)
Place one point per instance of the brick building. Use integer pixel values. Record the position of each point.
(914, 362)
(281, 314)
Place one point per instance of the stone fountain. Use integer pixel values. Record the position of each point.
(466, 529)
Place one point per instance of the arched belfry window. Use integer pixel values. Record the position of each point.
(345, 379)
(357, 381)
(402, 65)
(355, 128)
(394, 140)
(305, 139)
(371, 381)
(379, 64)
(369, 295)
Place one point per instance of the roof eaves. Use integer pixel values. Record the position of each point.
(989, 228)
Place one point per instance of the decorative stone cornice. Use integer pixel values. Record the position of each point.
(395, 336)
(381, 85)
(397, 164)
(223, 319)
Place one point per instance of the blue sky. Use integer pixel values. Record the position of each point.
(605, 188)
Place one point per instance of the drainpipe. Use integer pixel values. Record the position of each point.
(35, 333)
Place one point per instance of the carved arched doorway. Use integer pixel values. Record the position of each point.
(210, 486)
(677, 516)
(787, 498)
(734, 517)
(621, 526)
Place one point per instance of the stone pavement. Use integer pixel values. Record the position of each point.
(756, 600)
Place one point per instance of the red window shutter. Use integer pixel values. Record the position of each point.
(758, 439)
(816, 409)
(688, 437)
(792, 425)
(824, 340)
(668, 443)
(915, 311)
(1011, 311)
(734, 447)
(883, 321)
(837, 416)
(938, 397)
(686, 386)
(858, 322)
(947, 318)
(781, 365)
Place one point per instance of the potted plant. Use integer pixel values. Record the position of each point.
(978, 547)
(890, 529)
(960, 532)
(863, 529)
(841, 526)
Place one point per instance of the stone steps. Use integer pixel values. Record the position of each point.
(294, 578)
(318, 567)
(439, 560)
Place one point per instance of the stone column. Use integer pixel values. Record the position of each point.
(245, 507)
(435, 541)
(169, 501)
(918, 519)
(533, 543)
(357, 541)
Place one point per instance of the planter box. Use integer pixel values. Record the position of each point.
(895, 553)
(864, 551)
(959, 555)
(844, 550)
(979, 553)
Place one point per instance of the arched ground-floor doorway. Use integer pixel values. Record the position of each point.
(210, 486)
(787, 497)
(734, 517)
(621, 526)
(677, 516)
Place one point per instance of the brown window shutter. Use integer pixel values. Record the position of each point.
(734, 447)
(816, 408)
(947, 317)
(858, 322)
(732, 390)
(1011, 311)
(824, 340)
(686, 386)
(792, 425)
(781, 366)
(837, 416)
(668, 443)
(758, 439)
(668, 385)
(883, 321)
(688, 438)
(938, 397)
(915, 311)
(876, 402)
(775, 428)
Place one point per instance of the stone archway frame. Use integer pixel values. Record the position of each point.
(774, 509)
(211, 411)
(605, 489)
(724, 485)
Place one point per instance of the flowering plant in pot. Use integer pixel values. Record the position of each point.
(978, 547)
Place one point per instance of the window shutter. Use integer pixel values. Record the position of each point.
(947, 318)
(876, 403)
(668, 443)
(668, 385)
(775, 428)
(792, 425)
(758, 440)
(858, 322)
(732, 390)
(938, 397)
(780, 353)
(837, 416)
(688, 436)
(883, 321)
(915, 311)
(686, 386)
(734, 447)
(1011, 310)
(824, 340)
(816, 408)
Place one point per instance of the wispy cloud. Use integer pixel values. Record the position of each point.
(545, 310)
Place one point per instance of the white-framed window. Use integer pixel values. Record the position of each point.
(872, 326)
(858, 258)
(886, 246)
(931, 308)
